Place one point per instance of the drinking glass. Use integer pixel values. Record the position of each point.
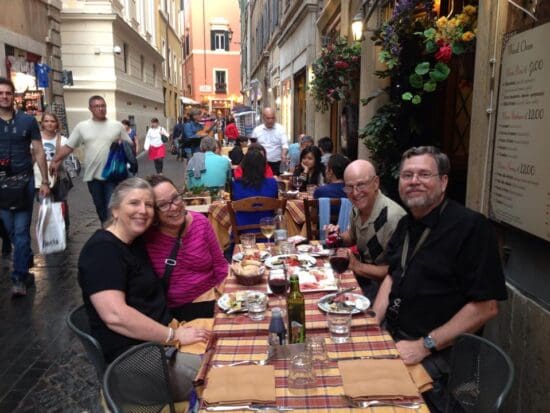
(248, 242)
(256, 307)
(339, 326)
(278, 283)
(339, 261)
(317, 350)
(301, 373)
(267, 226)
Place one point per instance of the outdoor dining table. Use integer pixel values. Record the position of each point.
(237, 338)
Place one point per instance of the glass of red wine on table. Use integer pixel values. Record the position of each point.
(278, 284)
(339, 257)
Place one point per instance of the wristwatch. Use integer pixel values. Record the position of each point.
(430, 344)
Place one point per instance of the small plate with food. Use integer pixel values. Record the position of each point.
(255, 256)
(292, 260)
(236, 302)
(346, 303)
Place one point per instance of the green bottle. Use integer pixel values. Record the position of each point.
(296, 309)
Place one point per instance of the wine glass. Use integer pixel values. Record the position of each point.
(267, 226)
(296, 182)
(278, 284)
(339, 261)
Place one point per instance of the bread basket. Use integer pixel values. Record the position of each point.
(248, 275)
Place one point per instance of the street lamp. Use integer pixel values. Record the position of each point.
(357, 26)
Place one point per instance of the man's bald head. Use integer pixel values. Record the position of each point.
(360, 167)
(268, 115)
(361, 185)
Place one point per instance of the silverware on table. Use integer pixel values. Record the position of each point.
(372, 403)
(269, 356)
(376, 357)
(251, 407)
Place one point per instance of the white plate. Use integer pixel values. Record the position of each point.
(305, 248)
(276, 261)
(313, 279)
(234, 301)
(354, 302)
(320, 253)
(263, 256)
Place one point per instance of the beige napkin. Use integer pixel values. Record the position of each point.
(420, 377)
(377, 379)
(240, 385)
(200, 346)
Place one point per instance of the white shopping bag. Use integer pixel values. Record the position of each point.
(50, 228)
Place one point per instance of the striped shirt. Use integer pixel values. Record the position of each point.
(200, 261)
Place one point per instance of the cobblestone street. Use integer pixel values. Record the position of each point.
(43, 367)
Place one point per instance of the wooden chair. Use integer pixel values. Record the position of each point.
(252, 204)
(311, 207)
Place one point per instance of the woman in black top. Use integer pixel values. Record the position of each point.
(124, 299)
(311, 170)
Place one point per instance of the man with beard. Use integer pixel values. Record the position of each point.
(445, 274)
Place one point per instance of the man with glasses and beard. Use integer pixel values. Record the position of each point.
(445, 274)
(373, 220)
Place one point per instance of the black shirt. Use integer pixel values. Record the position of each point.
(458, 263)
(107, 263)
(15, 140)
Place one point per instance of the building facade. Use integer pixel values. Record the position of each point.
(110, 47)
(212, 56)
(30, 47)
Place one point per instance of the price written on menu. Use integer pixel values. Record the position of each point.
(520, 190)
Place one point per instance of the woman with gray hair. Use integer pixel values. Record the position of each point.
(124, 299)
(206, 168)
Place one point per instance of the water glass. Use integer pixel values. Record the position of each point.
(248, 242)
(286, 248)
(317, 350)
(339, 325)
(256, 307)
(301, 373)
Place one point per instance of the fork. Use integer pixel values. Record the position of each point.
(263, 362)
(371, 403)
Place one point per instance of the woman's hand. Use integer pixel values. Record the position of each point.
(304, 167)
(190, 335)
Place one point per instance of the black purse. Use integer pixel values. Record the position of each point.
(14, 189)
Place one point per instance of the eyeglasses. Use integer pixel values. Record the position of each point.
(422, 176)
(359, 187)
(165, 206)
(99, 106)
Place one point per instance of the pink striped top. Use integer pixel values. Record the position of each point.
(200, 261)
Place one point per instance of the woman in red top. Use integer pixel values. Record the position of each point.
(268, 173)
(231, 132)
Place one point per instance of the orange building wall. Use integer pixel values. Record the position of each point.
(202, 57)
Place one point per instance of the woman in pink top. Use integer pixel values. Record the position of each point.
(200, 264)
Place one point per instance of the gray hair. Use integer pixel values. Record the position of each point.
(441, 160)
(122, 190)
(208, 144)
(306, 138)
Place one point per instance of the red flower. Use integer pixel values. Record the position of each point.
(340, 64)
(444, 53)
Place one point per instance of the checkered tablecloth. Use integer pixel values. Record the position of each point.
(325, 395)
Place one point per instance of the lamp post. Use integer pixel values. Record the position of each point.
(357, 26)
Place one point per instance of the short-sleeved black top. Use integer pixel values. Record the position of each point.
(15, 138)
(107, 263)
(458, 263)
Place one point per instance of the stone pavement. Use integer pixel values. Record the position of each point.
(43, 367)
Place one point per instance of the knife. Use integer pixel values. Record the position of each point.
(339, 293)
(380, 357)
(258, 407)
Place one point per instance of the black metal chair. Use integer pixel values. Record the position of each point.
(78, 322)
(481, 375)
(137, 381)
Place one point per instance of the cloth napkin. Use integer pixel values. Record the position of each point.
(240, 385)
(377, 379)
(200, 346)
(420, 377)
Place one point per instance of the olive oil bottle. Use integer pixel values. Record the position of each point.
(296, 310)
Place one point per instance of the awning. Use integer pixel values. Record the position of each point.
(188, 101)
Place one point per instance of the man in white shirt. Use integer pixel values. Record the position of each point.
(96, 134)
(272, 137)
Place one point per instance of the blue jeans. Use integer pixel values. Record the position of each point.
(101, 192)
(18, 224)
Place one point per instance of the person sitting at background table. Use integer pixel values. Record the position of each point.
(295, 149)
(253, 183)
(124, 299)
(200, 264)
(334, 178)
(326, 147)
(206, 168)
(310, 170)
(237, 154)
(268, 172)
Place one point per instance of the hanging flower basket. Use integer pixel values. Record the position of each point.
(336, 73)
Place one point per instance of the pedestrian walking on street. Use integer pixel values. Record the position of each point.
(96, 135)
(19, 133)
(123, 297)
(52, 141)
(155, 143)
(177, 139)
(272, 137)
(132, 134)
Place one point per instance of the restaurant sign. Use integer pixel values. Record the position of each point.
(520, 186)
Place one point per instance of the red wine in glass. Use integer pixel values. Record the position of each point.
(278, 286)
(333, 240)
(339, 263)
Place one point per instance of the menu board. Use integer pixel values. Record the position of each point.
(520, 190)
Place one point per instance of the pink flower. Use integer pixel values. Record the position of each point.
(340, 64)
(444, 53)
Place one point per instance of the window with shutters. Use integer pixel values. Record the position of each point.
(221, 84)
(219, 40)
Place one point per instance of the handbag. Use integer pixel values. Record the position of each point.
(14, 192)
(50, 227)
(130, 157)
(115, 169)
